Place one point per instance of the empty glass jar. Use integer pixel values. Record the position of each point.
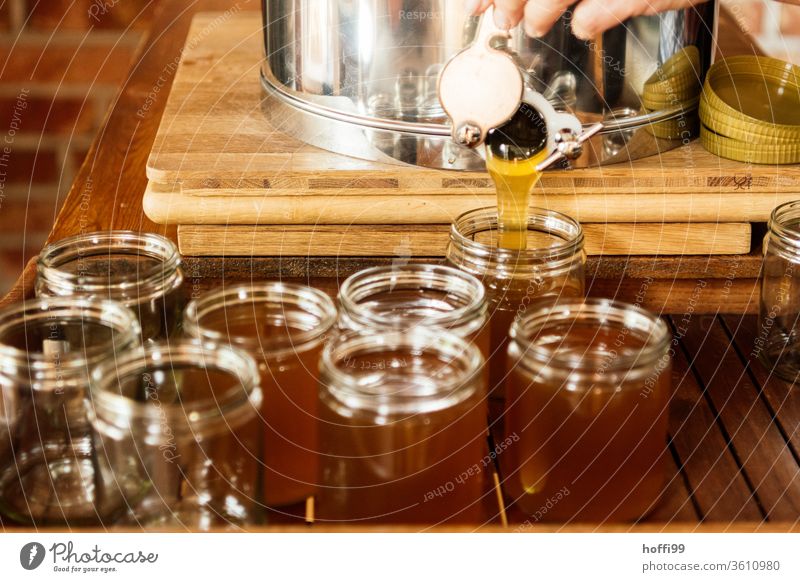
(778, 340)
(140, 270)
(551, 269)
(283, 327)
(586, 411)
(402, 428)
(48, 465)
(416, 295)
(176, 429)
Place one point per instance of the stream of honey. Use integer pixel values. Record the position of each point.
(512, 153)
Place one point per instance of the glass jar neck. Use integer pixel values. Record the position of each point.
(118, 410)
(468, 252)
(38, 340)
(68, 267)
(399, 373)
(594, 343)
(304, 315)
(783, 237)
(413, 295)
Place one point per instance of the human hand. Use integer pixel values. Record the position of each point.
(589, 17)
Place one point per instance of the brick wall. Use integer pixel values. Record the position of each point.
(775, 25)
(61, 63)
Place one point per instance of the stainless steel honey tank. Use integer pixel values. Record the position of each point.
(359, 77)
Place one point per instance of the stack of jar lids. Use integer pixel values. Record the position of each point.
(750, 110)
(675, 84)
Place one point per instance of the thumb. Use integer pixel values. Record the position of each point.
(508, 13)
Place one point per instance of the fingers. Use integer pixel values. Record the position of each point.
(477, 6)
(541, 15)
(508, 13)
(592, 17)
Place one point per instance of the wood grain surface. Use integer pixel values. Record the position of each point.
(218, 159)
(172, 205)
(431, 240)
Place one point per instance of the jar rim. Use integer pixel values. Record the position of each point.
(486, 218)
(107, 400)
(106, 312)
(365, 391)
(267, 292)
(784, 223)
(525, 329)
(365, 283)
(160, 275)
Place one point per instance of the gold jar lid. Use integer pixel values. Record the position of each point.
(684, 126)
(750, 110)
(675, 83)
(741, 151)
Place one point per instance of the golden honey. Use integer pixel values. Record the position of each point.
(402, 428)
(514, 180)
(283, 327)
(586, 410)
(512, 153)
(550, 270)
(289, 415)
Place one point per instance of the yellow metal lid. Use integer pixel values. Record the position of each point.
(741, 151)
(750, 110)
(684, 127)
(674, 83)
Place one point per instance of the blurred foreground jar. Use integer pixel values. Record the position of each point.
(48, 464)
(586, 412)
(140, 270)
(416, 295)
(403, 428)
(176, 429)
(551, 269)
(778, 340)
(283, 327)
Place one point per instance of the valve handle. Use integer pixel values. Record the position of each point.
(569, 145)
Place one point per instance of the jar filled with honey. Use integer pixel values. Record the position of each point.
(140, 270)
(586, 411)
(48, 462)
(176, 428)
(403, 428)
(549, 269)
(413, 296)
(283, 327)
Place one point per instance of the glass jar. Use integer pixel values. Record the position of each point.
(402, 428)
(416, 295)
(140, 270)
(778, 341)
(48, 464)
(586, 411)
(551, 269)
(176, 428)
(283, 327)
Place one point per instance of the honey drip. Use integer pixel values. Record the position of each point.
(512, 153)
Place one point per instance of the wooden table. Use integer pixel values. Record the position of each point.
(735, 430)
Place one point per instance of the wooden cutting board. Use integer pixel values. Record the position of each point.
(217, 160)
(430, 240)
